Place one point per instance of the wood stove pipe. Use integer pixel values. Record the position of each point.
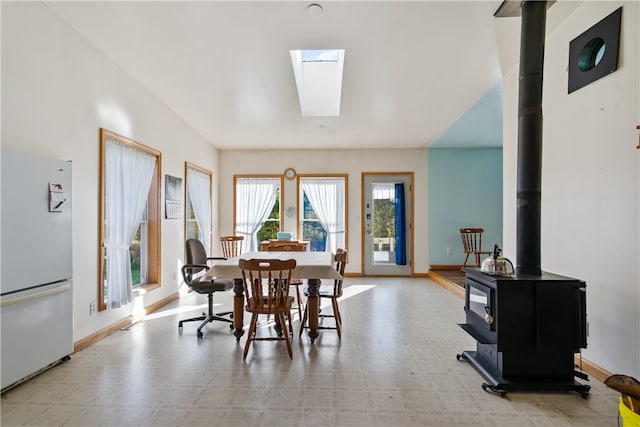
(529, 172)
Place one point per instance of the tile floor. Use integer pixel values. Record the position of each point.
(395, 366)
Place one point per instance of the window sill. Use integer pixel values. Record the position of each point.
(143, 289)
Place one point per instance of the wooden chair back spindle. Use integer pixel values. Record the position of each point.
(231, 246)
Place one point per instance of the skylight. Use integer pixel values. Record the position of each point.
(318, 75)
(320, 55)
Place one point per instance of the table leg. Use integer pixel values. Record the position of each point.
(313, 302)
(238, 308)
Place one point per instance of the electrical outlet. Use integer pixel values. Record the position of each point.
(449, 251)
(92, 307)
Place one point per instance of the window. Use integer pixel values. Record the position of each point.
(312, 230)
(326, 55)
(191, 229)
(271, 225)
(129, 240)
(323, 211)
(384, 221)
(138, 254)
(257, 201)
(198, 204)
(318, 75)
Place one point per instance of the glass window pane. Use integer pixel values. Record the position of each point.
(134, 254)
(324, 55)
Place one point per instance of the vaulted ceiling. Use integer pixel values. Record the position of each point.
(412, 69)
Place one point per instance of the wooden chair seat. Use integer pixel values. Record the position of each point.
(264, 308)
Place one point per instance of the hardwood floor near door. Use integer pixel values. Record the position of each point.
(450, 277)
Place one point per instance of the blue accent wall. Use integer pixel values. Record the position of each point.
(465, 190)
(479, 126)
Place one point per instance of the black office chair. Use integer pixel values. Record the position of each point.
(197, 263)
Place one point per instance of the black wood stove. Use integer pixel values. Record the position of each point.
(527, 329)
(527, 326)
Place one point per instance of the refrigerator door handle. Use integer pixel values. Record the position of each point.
(21, 299)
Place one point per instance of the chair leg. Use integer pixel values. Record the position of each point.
(464, 263)
(299, 299)
(290, 326)
(252, 330)
(336, 316)
(478, 261)
(285, 333)
(304, 320)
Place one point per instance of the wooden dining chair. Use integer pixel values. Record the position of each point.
(332, 293)
(231, 246)
(472, 245)
(294, 281)
(266, 290)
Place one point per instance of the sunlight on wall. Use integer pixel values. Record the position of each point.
(114, 119)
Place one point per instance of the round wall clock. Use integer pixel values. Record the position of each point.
(290, 173)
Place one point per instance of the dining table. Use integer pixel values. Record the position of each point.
(312, 266)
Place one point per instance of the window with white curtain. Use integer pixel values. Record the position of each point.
(198, 205)
(323, 211)
(257, 208)
(130, 219)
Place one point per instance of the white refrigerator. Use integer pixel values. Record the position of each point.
(36, 291)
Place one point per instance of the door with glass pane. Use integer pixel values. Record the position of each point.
(386, 221)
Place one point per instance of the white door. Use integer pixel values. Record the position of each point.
(387, 228)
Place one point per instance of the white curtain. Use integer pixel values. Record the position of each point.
(326, 197)
(129, 173)
(199, 188)
(255, 198)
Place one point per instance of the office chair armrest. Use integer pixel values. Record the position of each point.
(187, 275)
(205, 266)
(214, 258)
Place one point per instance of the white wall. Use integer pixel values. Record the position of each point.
(590, 183)
(57, 91)
(351, 162)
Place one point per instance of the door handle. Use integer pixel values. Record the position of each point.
(11, 301)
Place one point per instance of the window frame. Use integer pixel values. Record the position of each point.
(154, 216)
(192, 166)
(299, 199)
(259, 176)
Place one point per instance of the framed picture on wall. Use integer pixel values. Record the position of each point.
(172, 197)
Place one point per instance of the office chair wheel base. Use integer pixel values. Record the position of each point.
(200, 334)
(493, 389)
(231, 326)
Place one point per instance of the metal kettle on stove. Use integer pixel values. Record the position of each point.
(496, 265)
